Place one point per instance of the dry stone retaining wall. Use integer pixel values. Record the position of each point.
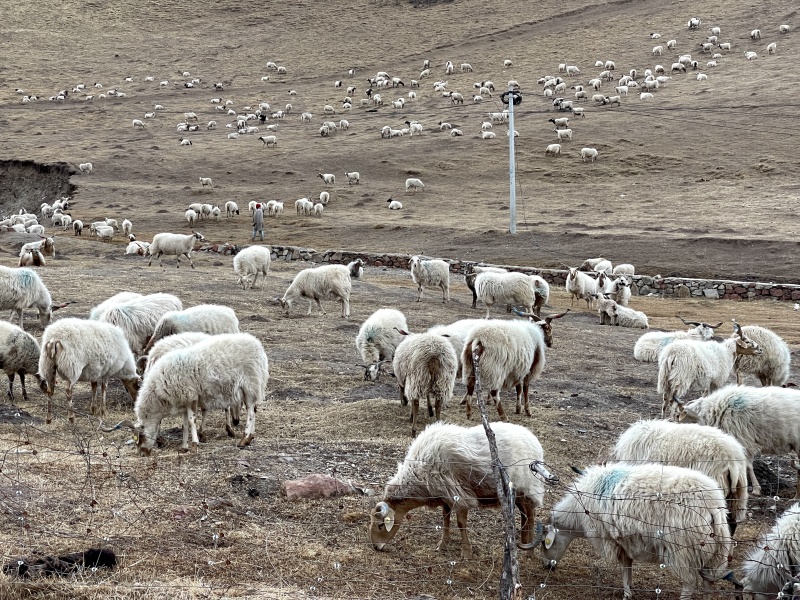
(643, 285)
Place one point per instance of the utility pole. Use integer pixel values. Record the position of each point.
(511, 98)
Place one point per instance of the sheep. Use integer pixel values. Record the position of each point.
(750, 55)
(138, 124)
(231, 208)
(516, 289)
(456, 98)
(46, 245)
(274, 208)
(677, 66)
(685, 364)
(627, 317)
(430, 273)
(621, 291)
(612, 100)
(590, 153)
(251, 262)
(425, 365)
(77, 227)
(658, 50)
(329, 282)
(80, 350)
(352, 177)
(394, 204)
(755, 34)
(558, 123)
(19, 355)
(701, 77)
(605, 308)
(580, 286)
(304, 206)
(127, 227)
(327, 178)
(456, 133)
(784, 29)
(377, 339)
(645, 96)
(649, 345)
(318, 209)
(224, 371)
(764, 420)
(206, 181)
(772, 48)
(458, 476)
(85, 168)
(553, 150)
(32, 258)
(488, 135)
(508, 353)
(618, 507)
(21, 288)
(773, 560)
(415, 184)
(211, 319)
(694, 23)
(772, 365)
(138, 317)
(138, 248)
(191, 217)
(563, 134)
(269, 140)
(174, 244)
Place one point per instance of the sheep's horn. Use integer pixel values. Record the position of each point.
(578, 470)
(685, 322)
(64, 305)
(558, 316)
(736, 327)
(382, 508)
(362, 366)
(539, 467)
(536, 541)
(713, 326)
(126, 423)
(401, 331)
(520, 313)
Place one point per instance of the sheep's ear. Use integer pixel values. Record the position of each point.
(388, 520)
(549, 537)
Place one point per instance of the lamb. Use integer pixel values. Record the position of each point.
(687, 364)
(772, 365)
(22, 288)
(425, 366)
(80, 350)
(627, 317)
(415, 184)
(206, 181)
(705, 449)
(621, 291)
(755, 34)
(774, 558)
(251, 262)
(580, 286)
(352, 177)
(329, 282)
(328, 178)
(378, 338)
(649, 345)
(139, 316)
(764, 420)
(211, 319)
(686, 507)
(269, 140)
(127, 227)
(174, 244)
(590, 153)
(516, 289)
(138, 248)
(430, 273)
(553, 150)
(231, 208)
(85, 168)
(394, 204)
(19, 355)
(222, 372)
(458, 476)
(33, 258)
(509, 353)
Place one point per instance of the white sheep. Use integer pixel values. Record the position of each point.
(414, 183)
(138, 124)
(352, 177)
(138, 248)
(750, 55)
(191, 217)
(21, 288)
(324, 197)
(430, 273)
(251, 262)
(590, 153)
(658, 50)
(624, 269)
(377, 339)
(211, 319)
(80, 350)
(627, 317)
(621, 291)
(138, 317)
(19, 355)
(318, 209)
(488, 135)
(515, 289)
(772, 48)
(222, 372)
(120, 298)
(687, 364)
(553, 150)
(770, 563)
(327, 178)
(649, 345)
(231, 208)
(784, 29)
(328, 282)
(669, 515)
(85, 168)
(563, 134)
(303, 206)
(580, 286)
(174, 244)
(462, 480)
(127, 227)
(269, 140)
(206, 181)
(425, 366)
(274, 208)
(755, 34)
(764, 420)
(772, 365)
(692, 446)
(394, 204)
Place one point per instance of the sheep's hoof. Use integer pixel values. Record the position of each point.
(229, 431)
(71, 419)
(201, 436)
(245, 441)
(183, 450)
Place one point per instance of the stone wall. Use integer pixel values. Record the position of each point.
(643, 285)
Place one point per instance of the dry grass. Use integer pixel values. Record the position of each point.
(675, 176)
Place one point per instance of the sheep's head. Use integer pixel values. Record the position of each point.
(198, 236)
(744, 345)
(143, 441)
(373, 370)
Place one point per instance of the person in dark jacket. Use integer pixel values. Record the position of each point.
(258, 222)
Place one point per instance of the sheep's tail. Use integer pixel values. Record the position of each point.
(737, 497)
(470, 357)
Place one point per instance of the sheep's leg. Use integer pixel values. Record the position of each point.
(502, 413)
(93, 403)
(403, 399)
(192, 428)
(319, 304)
(178, 258)
(753, 481)
(526, 388)
(527, 511)
(419, 296)
(185, 443)
(445, 294)
(461, 520)
(11, 387)
(250, 426)
(346, 308)
(200, 430)
(414, 411)
(518, 390)
(488, 306)
(19, 312)
(70, 412)
(188, 255)
(103, 388)
(229, 422)
(310, 304)
(445, 541)
(627, 573)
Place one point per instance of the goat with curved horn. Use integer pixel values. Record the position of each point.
(699, 323)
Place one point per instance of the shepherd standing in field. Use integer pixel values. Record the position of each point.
(258, 222)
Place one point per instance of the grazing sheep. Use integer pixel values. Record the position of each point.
(32, 258)
(328, 282)
(430, 273)
(174, 244)
(211, 319)
(22, 288)
(772, 48)
(191, 217)
(80, 350)
(515, 289)
(649, 345)
(456, 473)
(353, 177)
(764, 420)
(251, 262)
(222, 372)
(686, 364)
(415, 184)
(138, 317)
(378, 338)
(470, 277)
(77, 227)
(85, 168)
(590, 153)
(425, 366)
(231, 208)
(705, 449)
(127, 227)
(269, 140)
(19, 355)
(553, 150)
(580, 286)
(774, 558)
(686, 507)
(755, 34)
(784, 29)
(138, 248)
